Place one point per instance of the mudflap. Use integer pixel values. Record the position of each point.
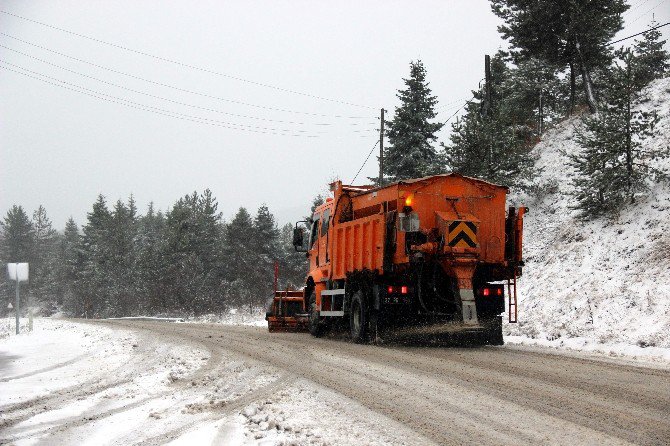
(469, 309)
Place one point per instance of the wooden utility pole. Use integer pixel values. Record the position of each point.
(540, 116)
(486, 101)
(487, 75)
(381, 150)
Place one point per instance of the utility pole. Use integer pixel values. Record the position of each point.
(381, 150)
(541, 118)
(486, 101)
(487, 75)
(16, 306)
(18, 272)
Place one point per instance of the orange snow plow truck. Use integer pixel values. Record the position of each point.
(434, 252)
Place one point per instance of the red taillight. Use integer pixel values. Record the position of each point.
(403, 289)
(390, 289)
(486, 291)
(499, 291)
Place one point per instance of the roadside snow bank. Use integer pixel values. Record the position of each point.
(234, 316)
(54, 356)
(605, 281)
(87, 383)
(587, 345)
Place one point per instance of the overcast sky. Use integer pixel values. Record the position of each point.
(236, 130)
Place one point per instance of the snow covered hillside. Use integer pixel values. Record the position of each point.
(606, 281)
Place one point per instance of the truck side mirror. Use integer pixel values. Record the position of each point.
(299, 238)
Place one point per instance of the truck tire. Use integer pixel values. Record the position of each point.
(314, 324)
(358, 318)
(493, 334)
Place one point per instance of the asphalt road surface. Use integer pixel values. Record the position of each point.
(483, 395)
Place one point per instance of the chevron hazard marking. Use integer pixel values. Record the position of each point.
(462, 234)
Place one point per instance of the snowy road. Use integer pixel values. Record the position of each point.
(241, 385)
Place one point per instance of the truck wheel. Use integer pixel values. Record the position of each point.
(493, 334)
(358, 319)
(315, 327)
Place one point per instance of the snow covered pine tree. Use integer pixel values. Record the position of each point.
(411, 154)
(615, 165)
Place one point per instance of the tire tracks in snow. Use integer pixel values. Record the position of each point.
(492, 395)
(45, 369)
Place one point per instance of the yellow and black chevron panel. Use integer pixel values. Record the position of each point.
(462, 234)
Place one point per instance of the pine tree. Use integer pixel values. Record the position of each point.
(563, 33)
(193, 237)
(208, 223)
(95, 252)
(532, 96)
(410, 132)
(120, 261)
(488, 149)
(71, 263)
(44, 280)
(18, 236)
(178, 252)
(292, 265)
(18, 245)
(493, 141)
(238, 254)
(652, 60)
(316, 202)
(150, 264)
(615, 165)
(265, 244)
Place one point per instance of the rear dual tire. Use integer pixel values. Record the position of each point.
(493, 334)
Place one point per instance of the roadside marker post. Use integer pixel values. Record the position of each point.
(19, 273)
(9, 316)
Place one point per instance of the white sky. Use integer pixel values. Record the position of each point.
(61, 148)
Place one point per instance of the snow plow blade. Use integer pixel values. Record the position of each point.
(286, 312)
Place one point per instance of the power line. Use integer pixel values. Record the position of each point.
(643, 32)
(144, 108)
(609, 43)
(183, 90)
(647, 12)
(364, 162)
(135, 103)
(462, 106)
(183, 64)
(160, 109)
(171, 100)
(637, 5)
(448, 110)
(169, 113)
(449, 104)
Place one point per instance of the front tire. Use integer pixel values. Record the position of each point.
(358, 319)
(316, 328)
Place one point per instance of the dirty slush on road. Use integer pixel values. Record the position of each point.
(247, 385)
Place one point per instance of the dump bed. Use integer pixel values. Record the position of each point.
(441, 202)
(358, 245)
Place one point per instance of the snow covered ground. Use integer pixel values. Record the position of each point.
(604, 285)
(234, 316)
(80, 383)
